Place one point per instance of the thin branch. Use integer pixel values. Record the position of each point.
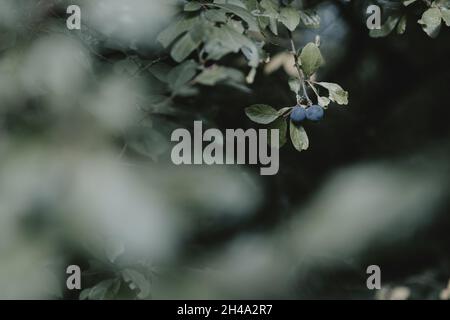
(301, 75)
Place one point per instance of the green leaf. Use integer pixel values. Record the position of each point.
(281, 125)
(113, 289)
(446, 16)
(309, 19)
(234, 75)
(261, 113)
(226, 39)
(386, 28)
(299, 137)
(401, 27)
(150, 142)
(216, 15)
(336, 93)
(181, 74)
(184, 47)
(431, 22)
(211, 75)
(282, 111)
(238, 3)
(271, 8)
(192, 6)
(160, 71)
(84, 294)
(100, 290)
(273, 26)
(289, 17)
(241, 13)
(168, 35)
(137, 280)
(408, 2)
(311, 59)
(294, 85)
(323, 101)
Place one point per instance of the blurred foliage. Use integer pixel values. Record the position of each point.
(85, 170)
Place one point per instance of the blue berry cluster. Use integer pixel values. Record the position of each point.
(313, 113)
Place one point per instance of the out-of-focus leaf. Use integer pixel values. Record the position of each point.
(168, 35)
(386, 28)
(309, 19)
(241, 13)
(216, 15)
(271, 8)
(211, 76)
(294, 85)
(181, 74)
(401, 27)
(323, 101)
(290, 17)
(184, 47)
(114, 249)
(84, 294)
(160, 71)
(100, 290)
(238, 3)
(192, 6)
(138, 281)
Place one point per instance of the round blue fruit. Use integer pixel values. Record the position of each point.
(298, 114)
(314, 113)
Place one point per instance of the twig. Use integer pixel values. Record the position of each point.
(299, 70)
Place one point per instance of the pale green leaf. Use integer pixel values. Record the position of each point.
(241, 13)
(299, 137)
(184, 47)
(84, 294)
(100, 290)
(281, 125)
(431, 21)
(261, 113)
(401, 27)
(168, 35)
(311, 59)
(238, 3)
(181, 74)
(271, 8)
(446, 16)
(137, 280)
(216, 15)
(408, 2)
(294, 85)
(309, 19)
(323, 101)
(290, 17)
(211, 76)
(283, 111)
(336, 93)
(192, 6)
(386, 28)
(273, 26)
